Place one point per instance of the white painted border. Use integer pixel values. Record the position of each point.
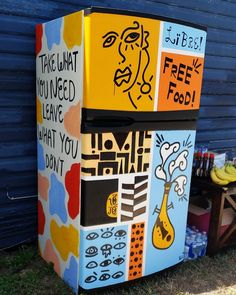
(148, 205)
(182, 52)
(158, 69)
(128, 253)
(113, 176)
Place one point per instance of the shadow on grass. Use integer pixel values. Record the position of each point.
(216, 275)
(22, 271)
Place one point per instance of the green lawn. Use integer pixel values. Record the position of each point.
(22, 271)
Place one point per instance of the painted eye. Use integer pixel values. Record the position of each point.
(90, 279)
(106, 247)
(132, 37)
(104, 277)
(106, 235)
(110, 40)
(118, 261)
(91, 236)
(120, 233)
(91, 251)
(105, 263)
(119, 246)
(92, 264)
(117, 275)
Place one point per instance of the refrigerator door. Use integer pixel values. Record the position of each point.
(134, 199)
(59, 89)
(141, 63)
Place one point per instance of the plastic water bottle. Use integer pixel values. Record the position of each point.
(204, 240)
(194, 250)
(188, 230)
(195, 243)
(192, 247)
(186, 253)
(200, 245)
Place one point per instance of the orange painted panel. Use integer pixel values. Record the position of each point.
(136, 251)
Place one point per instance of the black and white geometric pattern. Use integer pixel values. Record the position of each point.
(134, 198)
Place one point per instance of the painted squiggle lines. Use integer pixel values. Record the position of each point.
(57, 199)
(71, 273)
(72, 33)
(43, 186)
(39, 111)
(65, 239)
(41, 160)
(53, 32)
(50, 256)
(41, 219)
(72, 183)
(72, 121)
(39, 35)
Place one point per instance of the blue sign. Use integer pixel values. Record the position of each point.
(185, 38)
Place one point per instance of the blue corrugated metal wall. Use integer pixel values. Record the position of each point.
(217, 122)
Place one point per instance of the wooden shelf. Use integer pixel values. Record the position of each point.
(220, 196)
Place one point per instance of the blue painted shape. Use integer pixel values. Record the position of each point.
(57, 199)
(53, 32)
(103, 249)
(185, 38)
(71, 274)
(159, 259)
(41, 159)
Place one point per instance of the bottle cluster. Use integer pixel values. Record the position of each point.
(203, 162)
(195, 243)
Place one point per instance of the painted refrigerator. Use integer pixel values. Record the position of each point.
(118, 94)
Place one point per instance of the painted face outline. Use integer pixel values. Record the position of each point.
(129, 74)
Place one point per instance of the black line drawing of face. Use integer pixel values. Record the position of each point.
(133, 61)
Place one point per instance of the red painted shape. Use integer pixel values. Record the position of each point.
(41, 219)
(72, 183)
(39, 35)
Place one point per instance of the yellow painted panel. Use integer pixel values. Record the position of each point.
(120, 62)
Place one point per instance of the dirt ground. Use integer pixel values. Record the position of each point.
(22, 271)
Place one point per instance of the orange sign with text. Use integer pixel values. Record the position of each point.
(180, 82)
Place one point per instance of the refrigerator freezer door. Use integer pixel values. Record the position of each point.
(134, 199)
(142, 63)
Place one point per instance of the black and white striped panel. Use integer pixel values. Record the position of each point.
(134, 198)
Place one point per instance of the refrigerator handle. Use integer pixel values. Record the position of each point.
(115, 125)
(109, 121)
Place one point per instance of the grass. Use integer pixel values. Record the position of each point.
(22, 271)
